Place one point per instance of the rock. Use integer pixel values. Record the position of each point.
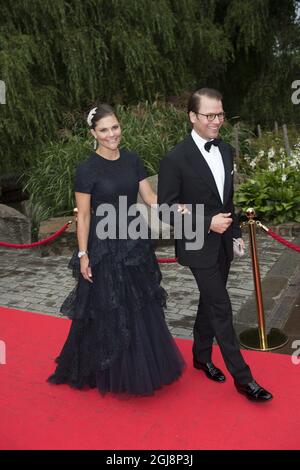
(14, 226)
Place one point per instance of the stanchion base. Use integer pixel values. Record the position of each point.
(275, 339)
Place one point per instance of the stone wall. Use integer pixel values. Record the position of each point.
(14, 226)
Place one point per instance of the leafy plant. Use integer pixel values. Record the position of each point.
(274, 190)
(50, 182)
(152, 130)
(260, 152)
(58, 56)
(149, 129)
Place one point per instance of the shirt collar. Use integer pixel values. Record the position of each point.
(199, 141)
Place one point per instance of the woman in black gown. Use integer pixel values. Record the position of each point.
(118, 340)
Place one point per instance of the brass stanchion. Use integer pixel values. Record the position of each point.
(257, 338)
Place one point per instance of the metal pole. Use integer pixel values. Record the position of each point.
(236, 139)
(286, 140)
(256, 338)
(256, 277)
(258, 131)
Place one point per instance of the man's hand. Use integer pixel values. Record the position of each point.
(220, 222)
(242, 243)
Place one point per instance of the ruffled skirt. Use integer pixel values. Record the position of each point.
(118, 341)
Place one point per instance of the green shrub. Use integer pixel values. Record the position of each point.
(149, 129)
(50, 182)
(258, 152)
(152, 130)
(273, 188)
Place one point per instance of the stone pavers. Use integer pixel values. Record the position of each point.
(40, 284)
(183, 293)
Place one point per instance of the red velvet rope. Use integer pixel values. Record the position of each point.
(159, 260)
(41, 242)
(166, 260)
(283, 241)
(55, 235)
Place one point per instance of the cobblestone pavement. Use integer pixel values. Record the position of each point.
(40, 284)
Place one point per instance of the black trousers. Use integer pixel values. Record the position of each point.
(214, 319)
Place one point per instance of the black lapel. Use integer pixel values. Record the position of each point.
(198, 162)
(227, 162)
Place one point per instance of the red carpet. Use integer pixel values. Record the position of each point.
(193, 413)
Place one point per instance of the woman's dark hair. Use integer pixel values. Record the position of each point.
(99, 111)
(195, 98)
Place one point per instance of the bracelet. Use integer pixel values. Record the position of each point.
(82, 253)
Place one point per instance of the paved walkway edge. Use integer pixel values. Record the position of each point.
(280, 289)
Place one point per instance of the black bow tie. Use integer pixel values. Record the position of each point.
(208, 144)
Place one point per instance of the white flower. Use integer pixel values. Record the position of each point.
(293, 163)
(271, 152)
(294, 158)
(272, 167)
(90, 116)
(283, 178)
(252, 164)
(282, 151)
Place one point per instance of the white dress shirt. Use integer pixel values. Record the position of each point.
(213, 159)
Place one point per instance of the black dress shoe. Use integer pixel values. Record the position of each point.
(253, 391)
(210, 370)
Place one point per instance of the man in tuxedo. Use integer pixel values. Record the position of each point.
(199, 170)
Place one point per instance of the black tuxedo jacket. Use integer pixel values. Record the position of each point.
(185, 177)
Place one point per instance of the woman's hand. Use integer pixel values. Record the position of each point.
(85, 269)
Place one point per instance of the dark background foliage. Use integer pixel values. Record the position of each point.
(58, 56)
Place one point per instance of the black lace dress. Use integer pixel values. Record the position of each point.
(118, 340)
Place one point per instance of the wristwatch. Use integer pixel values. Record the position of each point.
(82, 253)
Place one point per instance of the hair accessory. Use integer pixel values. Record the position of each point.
(90, 116)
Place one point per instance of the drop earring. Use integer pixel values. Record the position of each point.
(95, 144)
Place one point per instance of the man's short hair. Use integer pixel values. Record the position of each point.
(195, 98)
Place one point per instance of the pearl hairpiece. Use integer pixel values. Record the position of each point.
(90, 116)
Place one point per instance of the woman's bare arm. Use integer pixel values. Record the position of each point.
(147, 193)
(83, 202)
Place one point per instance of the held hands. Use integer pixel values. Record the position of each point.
(220, 222)
(183, 209)
(85, 269)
